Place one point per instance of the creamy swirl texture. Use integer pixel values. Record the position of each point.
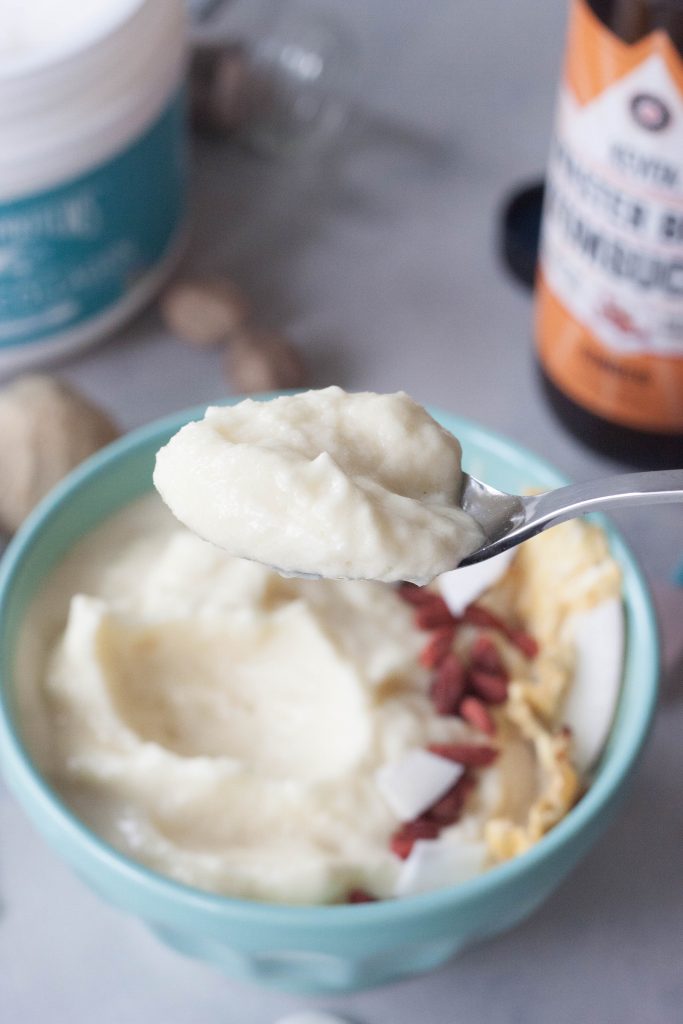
(230, 728)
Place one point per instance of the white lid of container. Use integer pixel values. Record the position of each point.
(40, 32)
(70, 99)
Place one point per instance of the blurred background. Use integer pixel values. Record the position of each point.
(348, 171)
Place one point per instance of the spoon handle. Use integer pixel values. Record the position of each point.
(509, 519)
(654, 488)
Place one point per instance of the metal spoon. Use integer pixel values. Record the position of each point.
(508, 519)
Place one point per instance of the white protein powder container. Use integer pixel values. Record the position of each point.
(92, 167)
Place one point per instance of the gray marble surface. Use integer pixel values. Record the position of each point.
(383, 264)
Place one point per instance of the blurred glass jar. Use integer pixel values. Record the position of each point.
(92, 167)
(284, 92)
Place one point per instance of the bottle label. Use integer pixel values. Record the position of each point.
(73, 252)
(610, 290)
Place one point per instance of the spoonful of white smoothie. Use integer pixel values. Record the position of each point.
(358, 486)
(323, 483)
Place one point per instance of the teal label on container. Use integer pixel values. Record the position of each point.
(68, 254)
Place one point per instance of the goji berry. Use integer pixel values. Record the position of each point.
(448, 685)
(407, 835)
(471, 755)
(477, 714)
(448, 808)
(475, 615)
(491, 687)
(526, 643)
(436, 649)
(360, 896)
(484, 654)
(434, 613)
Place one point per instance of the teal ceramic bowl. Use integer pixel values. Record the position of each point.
(310, 949)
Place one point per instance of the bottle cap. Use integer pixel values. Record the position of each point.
(520, 232)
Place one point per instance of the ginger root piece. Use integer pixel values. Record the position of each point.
(46, 428)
